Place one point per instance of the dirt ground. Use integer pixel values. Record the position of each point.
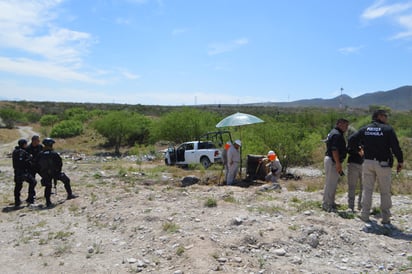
(133, 218)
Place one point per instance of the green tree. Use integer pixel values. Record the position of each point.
(122, 126)
(76, 113)
(67, 128)
(48, 120)
(184, 124)
(10, 116)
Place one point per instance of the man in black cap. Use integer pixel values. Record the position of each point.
(22, 166)
(380, 143)
(49, 164)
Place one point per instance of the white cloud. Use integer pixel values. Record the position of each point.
(400, 13)
(129, 75)
(378, 9)
(406, 22)
(218, 48)
(43, 69)
(28, 26)
(37, 46)
(350, 50)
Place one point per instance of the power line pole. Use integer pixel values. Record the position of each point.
(341, 99)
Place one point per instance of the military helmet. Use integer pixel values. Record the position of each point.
(22, 142)
(48, 142)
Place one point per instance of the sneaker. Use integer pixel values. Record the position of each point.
(72, 196)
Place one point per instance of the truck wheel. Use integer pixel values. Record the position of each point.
(205, 162)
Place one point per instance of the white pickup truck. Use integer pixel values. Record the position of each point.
(195, 152)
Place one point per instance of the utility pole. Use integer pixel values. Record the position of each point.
(341, 99)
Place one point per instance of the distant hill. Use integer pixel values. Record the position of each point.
(396, 99)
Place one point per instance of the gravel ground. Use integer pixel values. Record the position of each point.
(132, 218)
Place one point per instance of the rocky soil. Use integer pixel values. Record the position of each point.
(136, 217)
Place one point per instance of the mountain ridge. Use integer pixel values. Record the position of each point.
(396, 99)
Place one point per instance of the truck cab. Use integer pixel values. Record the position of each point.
(206, 151)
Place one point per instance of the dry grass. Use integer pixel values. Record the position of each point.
(8, 135)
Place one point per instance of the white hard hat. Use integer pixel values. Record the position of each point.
(271, 152)
(238, 142)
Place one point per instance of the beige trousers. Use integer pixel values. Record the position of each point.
(331, 182)
(372, 172)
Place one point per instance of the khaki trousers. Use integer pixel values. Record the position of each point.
(372, 172)
(354, 176)
(331, 183)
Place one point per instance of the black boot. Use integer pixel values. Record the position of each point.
(17, 202)
(70, 194)
(47, 194)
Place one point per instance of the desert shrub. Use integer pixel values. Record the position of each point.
(67, 128)
(210, 202)
(32, 117)
(48, 120)
(77, 114)
(184, 124)
(10, 116)
(121, 127)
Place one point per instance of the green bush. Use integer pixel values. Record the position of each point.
(10, 116)
(123, 127)
(67, 128)
(48, 120)
(184, 125)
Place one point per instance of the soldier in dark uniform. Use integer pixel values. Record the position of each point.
(22, 166)
(379, 143)
(34, 148)
(49, 164)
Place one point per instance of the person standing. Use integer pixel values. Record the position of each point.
(379, 143)
(334, 157)
(233, 160)
(355, 161)
(22, 166)
(49, 164)
(34, 148)
(224, 158)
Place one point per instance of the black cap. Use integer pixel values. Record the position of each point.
(48, 142)
(22, 142)
(378, 112)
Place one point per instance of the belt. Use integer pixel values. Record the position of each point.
(373, 159)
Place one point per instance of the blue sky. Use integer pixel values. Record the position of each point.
(185, 52)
